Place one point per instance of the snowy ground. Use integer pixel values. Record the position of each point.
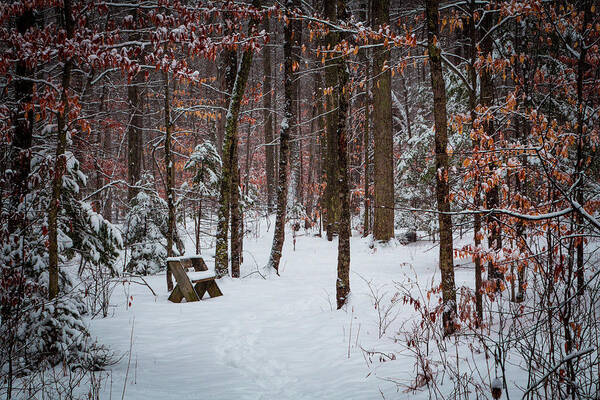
(274, 338)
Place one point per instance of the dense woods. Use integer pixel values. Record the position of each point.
(472, 125)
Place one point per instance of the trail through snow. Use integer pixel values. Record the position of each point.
(278, 338)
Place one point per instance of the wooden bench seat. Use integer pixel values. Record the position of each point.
(193, 285)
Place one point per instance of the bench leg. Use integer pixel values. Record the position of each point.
(200, 288)
(213, 289)
(176, 295)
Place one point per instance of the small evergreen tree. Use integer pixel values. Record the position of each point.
(145, 230)
(38, 333)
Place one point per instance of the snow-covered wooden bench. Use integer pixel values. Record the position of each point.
(191, 286)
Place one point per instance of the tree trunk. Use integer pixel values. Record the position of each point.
(322, 155)
(135, 150)
(61, 162)
(268, 123)
(492, 196)
(295, 186)
(477, 195)
(221, 252)
(289, 120)
(366, 141)
(343, 267)
(23, 133)
(169, 178)
(229, 144)
(236, 220)
(581, 136)
(331, 125)
(228, 72)
(441, 162)
(383, 224)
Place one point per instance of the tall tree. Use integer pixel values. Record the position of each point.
(331, 124)
(229, 144)
(364, 56)
(295, 186)
(268, 121)
(135, 147)
(383, 223)
(288, 121)
(23, 123)
(236, 212)
(492, 195)
(343, 266)
(169, 176)
(60, 165)
(477, 191)
(446, 260)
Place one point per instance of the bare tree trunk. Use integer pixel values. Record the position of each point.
(169, 178)
(198, 218)
(383, 224)
(135, 150)
(343, 267)
(331, 123)
(322, 156)
(492, 196)
(366, 140)
(228, 72)
(295, 186)
(406, 111)
(221, 255)
(581, 136)
(268, 122)
(477, 195)
(23, 134)
(441, 163)
(236, 220)
(289, 120)
(229, 168)
(61, 162)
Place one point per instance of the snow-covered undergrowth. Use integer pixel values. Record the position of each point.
(281, 337)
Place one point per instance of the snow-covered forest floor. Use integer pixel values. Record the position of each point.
(279, 337)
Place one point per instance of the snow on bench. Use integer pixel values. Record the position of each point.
(202, 278)
(200, 275)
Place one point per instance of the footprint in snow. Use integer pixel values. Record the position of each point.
(242, 347)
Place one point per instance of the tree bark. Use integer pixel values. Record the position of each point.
(295, 186)
(441, 162)
(236, 217)
(23, 133)
(492, 196)
(169, 177)
(268, 123)
(228, 72)
(60, 165)
(343, 266)
(135, 149)
(581, 136)
(366, 140)
(383, 224)
(289, 120)
(331, 125)
(229, 144)
(477, 195)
